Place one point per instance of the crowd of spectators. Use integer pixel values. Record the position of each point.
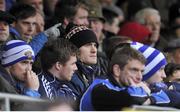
(91, 54)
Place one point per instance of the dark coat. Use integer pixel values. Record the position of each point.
(52, 88)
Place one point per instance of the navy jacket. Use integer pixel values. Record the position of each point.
(52, 88)
(172, 89)
(82, 78)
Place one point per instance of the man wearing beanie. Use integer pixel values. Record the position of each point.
(85, 39)
(154, 74)
(16, 68)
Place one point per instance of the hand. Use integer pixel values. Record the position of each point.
(129, 82)
(132, 83)
(53, 32)
(32, 81)
(145, 87)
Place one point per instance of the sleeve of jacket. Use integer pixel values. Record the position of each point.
(173, 86)
(31, 93)
(159, 98)
(38, 42)
(104, 98)
(174, 96)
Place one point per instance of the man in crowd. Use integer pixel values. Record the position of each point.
(152, 20)
(58, 59)
(16, 68)
(36, 43)
(85, 40)
(154, 74)
(67, 11)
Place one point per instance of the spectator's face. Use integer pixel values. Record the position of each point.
(157, 77)
(88, 53)
(81, 17)
(26, 27)
(39, 23)
(4, 31)
(97, 27)
(131, 74)
(67, 70)
(153, 23)
(19, 70)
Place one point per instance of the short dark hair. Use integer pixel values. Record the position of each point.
(22, 11)
(58, 50)
(124, 54)
(170, 68)
(113, 43)
(68, 9)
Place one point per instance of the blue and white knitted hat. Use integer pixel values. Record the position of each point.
(15, 51)
(155, 59)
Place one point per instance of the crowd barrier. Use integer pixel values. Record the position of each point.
(6, 99)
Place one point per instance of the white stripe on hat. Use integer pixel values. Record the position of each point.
(16, 56)
(153, 63)
(153, 56)
(16, 50)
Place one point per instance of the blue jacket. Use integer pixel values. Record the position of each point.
(52, 88)
(36, 43)
(107, 94)
(19, 86)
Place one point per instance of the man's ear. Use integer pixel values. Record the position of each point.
(116, 70)
(58, 66)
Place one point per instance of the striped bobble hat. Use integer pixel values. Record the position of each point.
(155, 59)
(15, 51)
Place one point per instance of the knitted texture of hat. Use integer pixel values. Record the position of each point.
(155, 59)
(135, 31)
(81, 35)
(15, 51)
